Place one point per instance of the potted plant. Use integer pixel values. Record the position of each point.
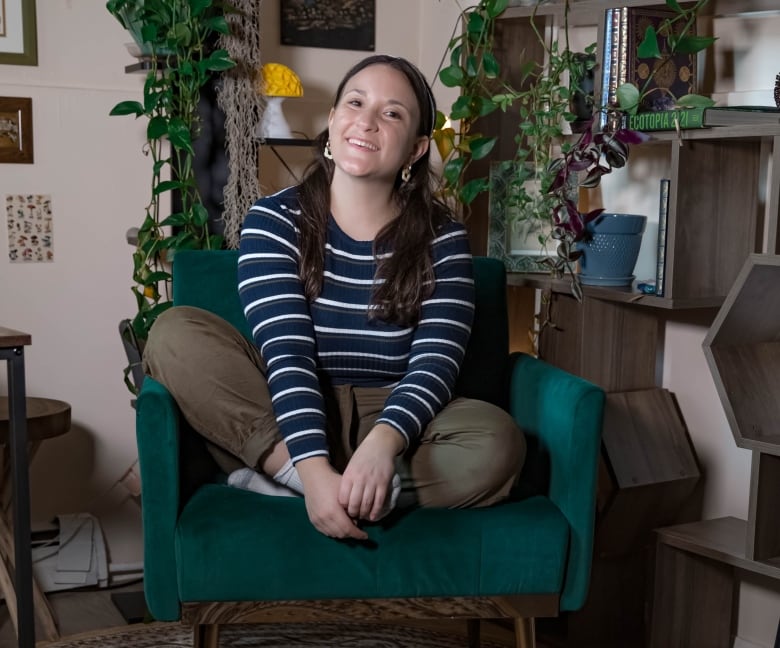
(540, 183)
(178, 35)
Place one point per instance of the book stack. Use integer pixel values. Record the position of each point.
(661, 81)
(704, 118)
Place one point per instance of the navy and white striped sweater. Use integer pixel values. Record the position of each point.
(333, 335)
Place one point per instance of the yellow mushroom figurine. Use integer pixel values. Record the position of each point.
(278, 83)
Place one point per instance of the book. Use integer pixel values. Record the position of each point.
(613, 59)
(703, 118)
(624, 30)
(673, 76)
(606, 65)
(741, 115)
(666, 120)
(663, 217)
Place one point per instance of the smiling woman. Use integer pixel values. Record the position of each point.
(357, 285)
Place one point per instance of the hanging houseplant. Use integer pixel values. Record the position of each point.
(177, 34)
(544, 100)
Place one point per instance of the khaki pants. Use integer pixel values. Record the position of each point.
(468, 456)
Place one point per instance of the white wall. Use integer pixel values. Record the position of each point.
(93, 167)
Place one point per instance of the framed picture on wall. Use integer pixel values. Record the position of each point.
(18, 36)
(16, 134)
(333, 24)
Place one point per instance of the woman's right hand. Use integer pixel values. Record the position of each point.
(321, 485)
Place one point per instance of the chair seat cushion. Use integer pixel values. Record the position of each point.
(228, 542)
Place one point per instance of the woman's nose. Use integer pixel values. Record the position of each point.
(368, 120)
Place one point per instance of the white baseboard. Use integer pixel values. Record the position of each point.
(739, 642)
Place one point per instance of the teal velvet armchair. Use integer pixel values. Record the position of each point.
(215, 554)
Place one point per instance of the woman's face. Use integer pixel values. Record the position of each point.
(373, 127)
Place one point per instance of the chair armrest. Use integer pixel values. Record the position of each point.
(563, 415)
(157, 434)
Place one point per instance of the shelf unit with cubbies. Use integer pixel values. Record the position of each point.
(724, 206)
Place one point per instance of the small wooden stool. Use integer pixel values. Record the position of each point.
(46, 418)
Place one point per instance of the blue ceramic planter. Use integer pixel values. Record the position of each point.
(609, 257)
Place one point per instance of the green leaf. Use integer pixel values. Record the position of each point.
(452, 76)
(461, 108)
(452, 170)
(441, 119)
(495, 7)
(472, 65)
(648, 48)
(154, 277)
(475, 24)
(179, 135)
(694, 44)
(200, 215)
(166, 185)
(628, 98)
(157, 128)
(215, 242)
(490, 65)
(674, 6)
(472, 189)
(127, 108)
(175, 220)
(218, 61)
(481, 146)
(695, 101)
(218, 24)
(455, 56)
(199, 6)
(484, 106)
(503, 101)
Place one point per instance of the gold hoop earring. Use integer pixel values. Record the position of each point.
(406, 173)
(327, 153)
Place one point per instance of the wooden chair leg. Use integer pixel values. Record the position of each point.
(472, 627)
(205, 635)
(525, 633)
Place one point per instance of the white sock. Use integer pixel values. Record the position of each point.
(394, 493)
(251, 480)
(288, 476)
(396, 490)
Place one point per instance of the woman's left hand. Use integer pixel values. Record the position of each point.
(366, 482)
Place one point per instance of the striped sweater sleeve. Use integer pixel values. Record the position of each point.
(439, 342)
(274, 304)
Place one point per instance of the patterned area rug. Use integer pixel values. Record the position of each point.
(294, 635)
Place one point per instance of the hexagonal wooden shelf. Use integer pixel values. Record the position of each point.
(742, 349)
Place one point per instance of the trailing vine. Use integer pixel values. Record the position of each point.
(177, 36)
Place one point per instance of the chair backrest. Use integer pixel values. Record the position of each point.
(207, 279)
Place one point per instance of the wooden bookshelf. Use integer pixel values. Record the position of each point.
(724, 206)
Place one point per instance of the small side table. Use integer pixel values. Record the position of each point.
(12, 345)
(46, 418)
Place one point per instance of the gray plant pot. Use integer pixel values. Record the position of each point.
(609, 257)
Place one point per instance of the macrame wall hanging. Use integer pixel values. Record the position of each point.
(243, 108)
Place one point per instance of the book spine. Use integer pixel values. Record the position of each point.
(614, 57)
(623, 49)
(667, 120)
(606, 67)
(663, 217)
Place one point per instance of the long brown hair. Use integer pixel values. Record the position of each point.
(408, 271)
